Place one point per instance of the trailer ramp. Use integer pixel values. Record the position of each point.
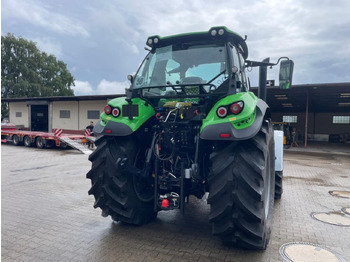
(75, 145)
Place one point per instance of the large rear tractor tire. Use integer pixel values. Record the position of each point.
(241, 190)
(117, 192)
(278, 184)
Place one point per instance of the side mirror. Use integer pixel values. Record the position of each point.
(286, 74)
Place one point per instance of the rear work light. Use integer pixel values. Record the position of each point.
(221, 112)
(107, 109)
(115, 112)
(237, 107)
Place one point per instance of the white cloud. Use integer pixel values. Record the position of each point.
(82, 88)
(308, 32)
(105, 87)
(49, 46)
(35, 13)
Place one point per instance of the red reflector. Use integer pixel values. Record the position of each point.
(108, 131)
(236, 108)
(165, 202)
(107, 109)
(225, 135)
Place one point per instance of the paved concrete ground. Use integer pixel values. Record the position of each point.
(47, 214)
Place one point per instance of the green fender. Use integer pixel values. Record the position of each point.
(124, 125)
(242, 126)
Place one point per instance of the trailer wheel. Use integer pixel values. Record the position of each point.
(117, 192)
(39, 141)
(27, 141)
(16, 140)
(241, 190)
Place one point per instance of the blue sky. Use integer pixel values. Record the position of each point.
(103, 41)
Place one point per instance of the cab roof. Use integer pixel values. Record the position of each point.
(214, 33)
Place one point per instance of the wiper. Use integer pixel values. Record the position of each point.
(217, 76)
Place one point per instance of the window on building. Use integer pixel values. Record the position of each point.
(341, 119)
(290, 119)
(18, 114)
(64, 113)
(93, 114)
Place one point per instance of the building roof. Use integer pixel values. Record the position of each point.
(325, 97)
(62, 98)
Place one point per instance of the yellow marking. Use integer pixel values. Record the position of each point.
(232, 119)
(108, 118)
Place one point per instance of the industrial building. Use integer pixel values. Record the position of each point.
(71, 113)
(319, 112)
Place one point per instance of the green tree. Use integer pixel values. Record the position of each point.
(28, 72)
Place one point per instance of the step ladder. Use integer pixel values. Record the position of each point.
(75, 145)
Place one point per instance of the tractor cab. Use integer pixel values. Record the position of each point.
(206, 64)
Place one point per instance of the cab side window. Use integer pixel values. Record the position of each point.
(238, 61)
(242, 71)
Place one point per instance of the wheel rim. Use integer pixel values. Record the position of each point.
(15, 140)
(39, 142)
(27, 141)
(267, 188)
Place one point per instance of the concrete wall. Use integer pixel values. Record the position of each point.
(320, 125)
(78, 113)
(19, 107)
(85, 106)
(300, 125)
(65, 123)
(324, 124)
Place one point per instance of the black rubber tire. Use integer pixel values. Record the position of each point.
(278, 184)
(39, 142)
(27, 141)
(16, 140)
(241, 190)
(113, 188)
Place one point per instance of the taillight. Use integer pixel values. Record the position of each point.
(221, 112)
(115, 112)
(107, 109)
(237, 107)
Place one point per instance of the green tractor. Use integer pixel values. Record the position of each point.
(189, 125)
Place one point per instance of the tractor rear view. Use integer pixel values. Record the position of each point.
(190, 125)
